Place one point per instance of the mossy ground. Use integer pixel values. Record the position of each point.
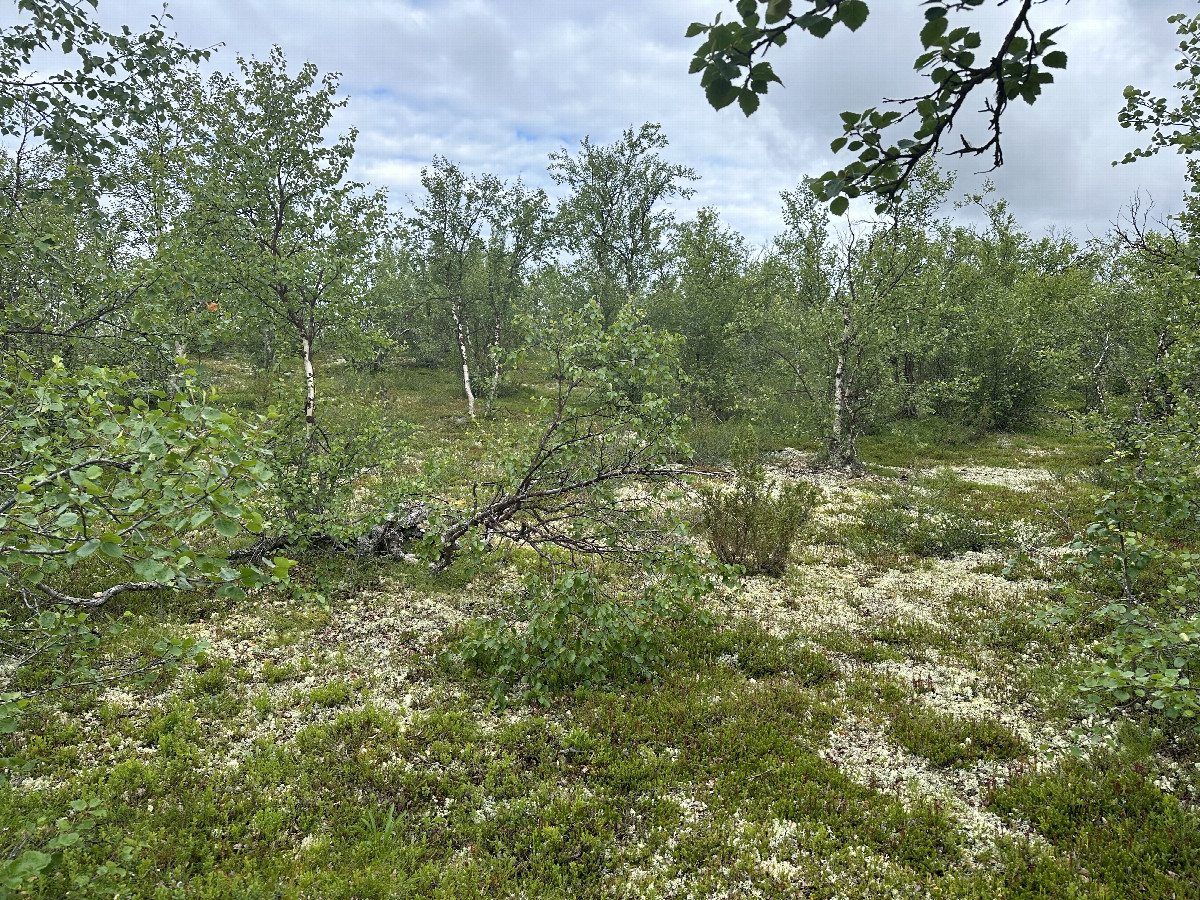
(888, 719)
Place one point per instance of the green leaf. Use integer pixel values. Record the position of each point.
(228, 527)
(721, 93)
(853, 13)
(1055, 59)
(111, 550)
(87, 548)
(933, 31)
(839, 205)
(29, 864)
(748, 101)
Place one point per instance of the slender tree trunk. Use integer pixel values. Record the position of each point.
(267, 333)
(497, 334)
(841, 438)
(1098, 375)
(908, 406)
(310, 382)
(176, 381)
(460, 331)
(1154, 394)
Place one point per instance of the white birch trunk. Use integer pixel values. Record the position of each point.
(460, 330)
(177, 381)
(841, 444)
(310, 381)
(497, 333)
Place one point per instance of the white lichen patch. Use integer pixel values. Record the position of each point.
(863, 751)
(822, 596)
(1017, 479)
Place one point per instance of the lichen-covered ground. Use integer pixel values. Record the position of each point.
(889, 719)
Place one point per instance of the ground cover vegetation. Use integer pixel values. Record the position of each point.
(563, 547)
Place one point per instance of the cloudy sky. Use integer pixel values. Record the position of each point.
(497, 85)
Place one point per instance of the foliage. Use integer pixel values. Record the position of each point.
(135, 486)
(1115, 822)
(59, 649)
(571, 478)
(111, 84)
(1140, 570)
(703, 297)
(1177, 126)
(317, 482)
(755, 524)
(1018, 68)
(582, 628)
(843, 305)
(23, 869)
(762, 654)
(476, 240)
(614, 220)
(274, 226)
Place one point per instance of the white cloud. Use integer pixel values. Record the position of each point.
(496, 85)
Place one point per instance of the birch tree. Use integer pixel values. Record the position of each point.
(849, 294)
(478, 238)
(287, 235)
(614, 219)
(521, 234)
(449, 227)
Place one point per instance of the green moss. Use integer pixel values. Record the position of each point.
(276, 674)
(949, 740)
(334, 693)
(1113, 827)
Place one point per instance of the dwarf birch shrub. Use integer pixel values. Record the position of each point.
(1139, 571)
(583, 629)
(754, 525)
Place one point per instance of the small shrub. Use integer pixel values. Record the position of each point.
(578, 629)
(753, 526)
(335, 693)
(315, 477)
(212, 680)
(274, 674)
(1138, 572)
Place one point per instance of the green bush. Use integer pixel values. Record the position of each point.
(1139, 571)
(580, 629)
(315, 477)
(754, 525)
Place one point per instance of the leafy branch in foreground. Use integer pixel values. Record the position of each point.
(1177, 126)
(133, 487)
(61, 649)
(110, 85)
(1139, 562)
(729, 66)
